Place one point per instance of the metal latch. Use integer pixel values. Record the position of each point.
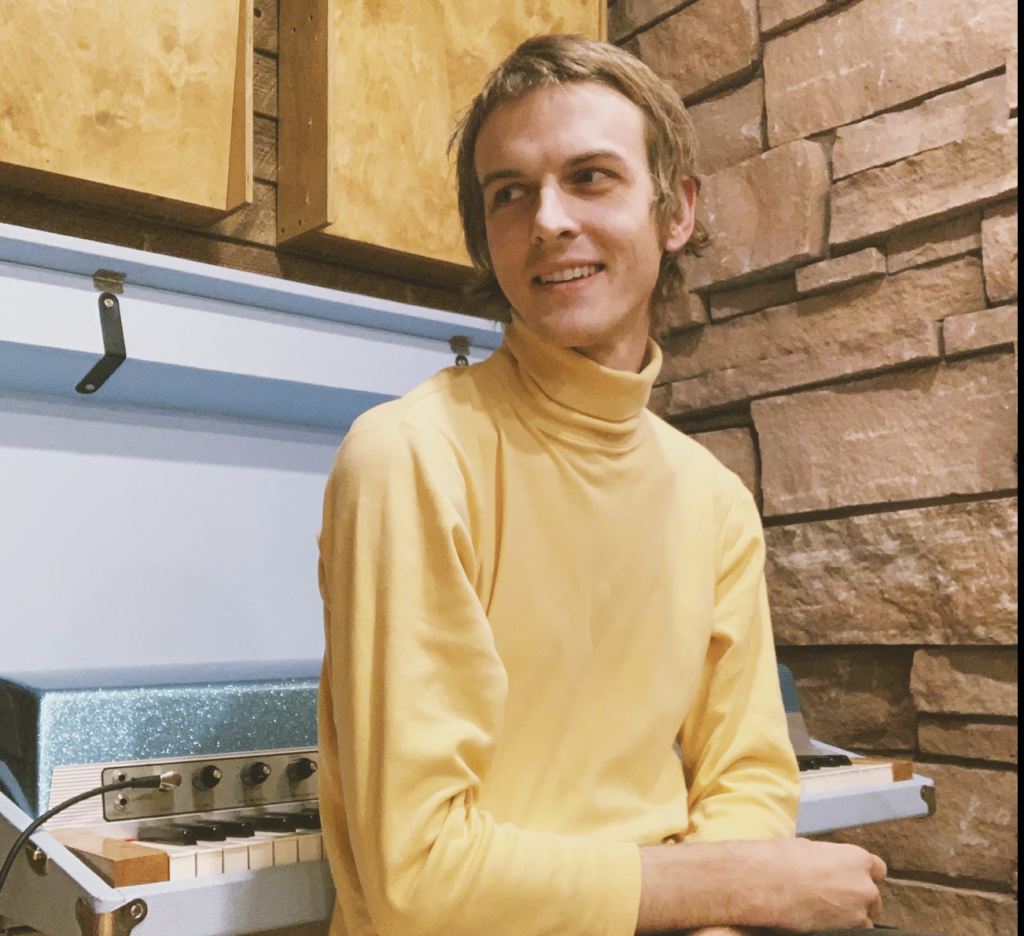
(114, 353)
(460, 348)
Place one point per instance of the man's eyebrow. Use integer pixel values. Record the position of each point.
(594, 154)
(500, 174)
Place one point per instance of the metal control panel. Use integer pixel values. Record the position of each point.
(206, 784)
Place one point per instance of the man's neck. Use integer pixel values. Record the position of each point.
(625, 353)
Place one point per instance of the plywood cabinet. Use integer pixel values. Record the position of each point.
(369, 94)
(143, 105)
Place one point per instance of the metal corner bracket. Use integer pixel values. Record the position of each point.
(119, 922)
(114, 353)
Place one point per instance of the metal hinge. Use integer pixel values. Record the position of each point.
(119, 922)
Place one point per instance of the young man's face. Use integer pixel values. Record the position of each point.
(568, 201)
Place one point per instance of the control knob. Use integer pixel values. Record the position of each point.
(207, 778)
(255, 774)
(301, 769)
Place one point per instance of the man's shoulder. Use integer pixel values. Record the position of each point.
(436, 414)
(702, 469)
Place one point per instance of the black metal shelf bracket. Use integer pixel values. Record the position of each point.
(114, 353)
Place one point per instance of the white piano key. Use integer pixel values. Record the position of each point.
(209, 860)
(286, 850)
(181, 860)
(310, 846)
(236, 856)
(261, 854)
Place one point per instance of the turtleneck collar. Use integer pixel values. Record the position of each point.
(579, 393)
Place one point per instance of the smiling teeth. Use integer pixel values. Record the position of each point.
(564, 276)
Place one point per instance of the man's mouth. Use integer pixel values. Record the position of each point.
(569, 274)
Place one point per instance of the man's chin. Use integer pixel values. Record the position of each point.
(567, 328)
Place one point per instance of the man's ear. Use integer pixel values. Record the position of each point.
(680, 228)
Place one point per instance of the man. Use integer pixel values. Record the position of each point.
(536, 592)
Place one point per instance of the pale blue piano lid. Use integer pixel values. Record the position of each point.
(166, 675)
(147, 713)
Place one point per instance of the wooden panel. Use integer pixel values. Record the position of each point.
(119, 863)
(265, 25)
(264, 84)
(398, 74)
(159, 123)
(264, 149)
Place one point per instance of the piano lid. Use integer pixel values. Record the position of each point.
(50, 719)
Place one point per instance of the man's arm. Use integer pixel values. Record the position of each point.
(741, 773)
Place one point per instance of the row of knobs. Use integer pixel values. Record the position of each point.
(255, 773)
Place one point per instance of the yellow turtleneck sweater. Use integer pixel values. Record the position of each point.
(533, 587)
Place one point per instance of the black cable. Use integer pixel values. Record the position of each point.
(151, 781)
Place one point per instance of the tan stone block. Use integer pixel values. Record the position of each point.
(932, 575)
(777, 15)
(861, 328)
(729, 127)
(966, 681)
(627, 16)
(924, 186)
(954, 116)
(959, 737)
(842, 271)
(930, 432)
(746, 299)
(704, 46)
(1012, 77)
(973, 833)
(734, 448)
(999, 252)
(934, 908)
(686, 311)
(858, 699)
(938, 242)
(976, 331)
(877, 54)
(741, 207)
(660, 399)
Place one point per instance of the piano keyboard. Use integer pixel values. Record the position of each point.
(830, 773)
(148, 854)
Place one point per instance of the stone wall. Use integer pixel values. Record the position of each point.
(849, 348)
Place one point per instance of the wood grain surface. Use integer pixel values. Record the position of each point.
(398, 76)
(152, 98)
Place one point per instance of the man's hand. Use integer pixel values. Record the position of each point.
(789, 884)
(824, 886)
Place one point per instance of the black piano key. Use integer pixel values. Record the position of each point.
(817, 761)
(207, 831)
(308, 819)
(169, 834)
(233, 828)
(273, 822)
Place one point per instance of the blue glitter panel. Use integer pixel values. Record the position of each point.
(103, 715)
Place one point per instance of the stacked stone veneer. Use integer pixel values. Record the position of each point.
(849, 348)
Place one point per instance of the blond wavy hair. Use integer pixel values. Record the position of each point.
(564, 59)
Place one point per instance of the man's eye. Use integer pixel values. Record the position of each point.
(505, 195)
(592, 176)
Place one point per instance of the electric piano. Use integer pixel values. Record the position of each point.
(230, 844)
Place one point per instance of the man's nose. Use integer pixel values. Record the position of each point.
(555, 217)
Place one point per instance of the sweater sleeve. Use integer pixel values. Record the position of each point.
(740, 768)
(418, 693)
